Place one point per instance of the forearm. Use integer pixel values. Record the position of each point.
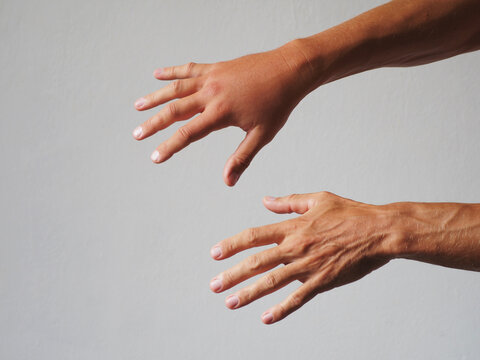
(399, 33)
(446, 234)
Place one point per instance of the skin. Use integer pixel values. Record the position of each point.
(335, 241)
(258, 92)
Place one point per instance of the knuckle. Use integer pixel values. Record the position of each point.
(242, 160)
(212, 88)
(298, 247)
(290, 248)
(172, 109)
(292, 197)
(325, 195)
(212, 67)
(190, 67)
(251, 235)
(171, 71)
(149, 124)
(229, 247)
(165, 148)
(176, 86)
(254, 263)
(185, 133)
(271, 280)
(227, 279)
(220, 112)
(247, 295)
(152, 123)
(302, 246)
(292, 226)
(154, 99)
(282, 310)
(295, 300)
(220, 108)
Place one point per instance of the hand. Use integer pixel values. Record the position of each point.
(255, 93)
(336, 241)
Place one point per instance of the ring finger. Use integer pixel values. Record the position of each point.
(273, 281)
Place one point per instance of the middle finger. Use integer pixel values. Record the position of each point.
(175, 90)
(253, 265)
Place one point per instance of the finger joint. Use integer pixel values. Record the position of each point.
(295, 300)
(176, 86)
(271, 280)
(172, 109)
(251, 236)
(190, 67)
(254, 263)
(227, 279)
(185, 133)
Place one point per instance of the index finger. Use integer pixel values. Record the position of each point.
(252, 237)
(188, 70)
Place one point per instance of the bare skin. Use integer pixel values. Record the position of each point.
(258, 92)
(336, 240)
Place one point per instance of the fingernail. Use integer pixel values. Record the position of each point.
(267, 317)
(215, 284)
(140, 103)
(155, 156)
(137, 133)
(232, 301)
(216, 252)
(270, 198)
(157, 72)
(234, 177)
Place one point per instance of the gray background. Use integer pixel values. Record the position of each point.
(104, 255)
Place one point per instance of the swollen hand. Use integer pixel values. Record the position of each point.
(255, 93)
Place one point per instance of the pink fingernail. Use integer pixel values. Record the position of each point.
(232, 301)
(155, 156)
(270, 198)
(157, 72)
(137, 133)
(140, 103)
(216, 252)
(215, 284)
(267, 317)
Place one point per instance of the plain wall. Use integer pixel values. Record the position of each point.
(104, 255)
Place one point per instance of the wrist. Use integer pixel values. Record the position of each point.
(365, 42)
(346, 49)
(401, 233)
(302, 71)
(328, 56)
(341, 51)
(433, 232)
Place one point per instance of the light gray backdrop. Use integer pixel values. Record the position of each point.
(104, 255)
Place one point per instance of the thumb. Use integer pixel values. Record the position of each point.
(241, 158)
(299, 203)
